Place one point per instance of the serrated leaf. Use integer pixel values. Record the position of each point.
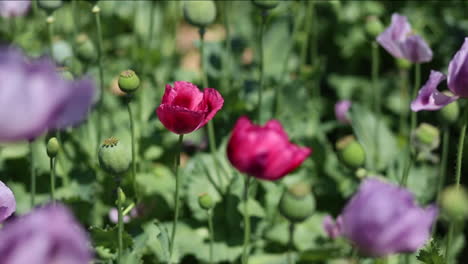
(108, 237)
(431, 254)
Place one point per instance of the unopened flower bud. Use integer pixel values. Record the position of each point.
(350, 152)
(265, 4)
(50, 5)
(121, 195)
(426, 137)
(403, 64)
(200, 13)
(129, 81)
(297, 203)
(53, 147)
(85, 48)
(373, 26)
(96, 9)
(114, 157)
(449, 113)
(361, 173)
(454, 202)
(205, 201)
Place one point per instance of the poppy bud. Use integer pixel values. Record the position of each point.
(426, 137)
(50, 5)
(114, 157)
(85, 48)
(265, 4)
(449, 113)
(453, 201)
(403, 64)
(53, 147)
(121, 195)
(205, 201)
(373, 26)
(129, 81)
(297, 203)
(200, 13)
(351, 152)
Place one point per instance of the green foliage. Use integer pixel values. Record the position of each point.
(431, 254)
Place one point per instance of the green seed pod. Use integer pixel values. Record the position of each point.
(266, 4)
(361, 173)
(50, 5)
(129, 81)
(297, 203)
(205, 201)
(373, 26)
(53, 147)
(426, 137)
(200, 13)
(403, 64)
(85, 48)
(454, 202)
(449, 113)
(114, 156)
(350, 152)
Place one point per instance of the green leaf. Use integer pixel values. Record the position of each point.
(431, 254)
(108, 237)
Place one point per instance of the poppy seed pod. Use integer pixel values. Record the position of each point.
(205, 201)
(450, 113)
(85, 48)
(129, 81)
(373, 26)
(114, 157)
(266, 4)
(426, 137)
(53, 147)
(453, 201)
(50, 5)
(297, 203)
(200, 13)
(350, 152)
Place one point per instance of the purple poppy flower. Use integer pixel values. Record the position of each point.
(401, 42)
(429, 98)
(114, 215)
(7, 202)
(383, 219)
(332, 228)
(46, 235)
(341, 111)
(35, 98)
(12, 8)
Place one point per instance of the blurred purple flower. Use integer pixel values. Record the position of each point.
(7, 202)
(114, 215)
(429, 98)
(35, 98)
(341, 111)
(401, 42)
(46, 235)
(12, 8)
(383, 219)
(333, 229)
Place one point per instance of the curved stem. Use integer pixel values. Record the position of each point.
(245, 249)
(52, 180)
(176, 197)
(132, 133)
(120, 226)
(33, 173)
(264, 16)
(377, 96)
(210, 226)
(291, 243)
(97, 15)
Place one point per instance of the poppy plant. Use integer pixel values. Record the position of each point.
(184, 108)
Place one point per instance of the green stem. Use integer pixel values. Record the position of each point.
(120, 225)
(245, 249)
(210, 127)
(409, 163)
(264, 17)
(176, 197)
(443, 164)
(210, 226)
(132, 133)
(52, 180)
(308, 25)
(128, 209)
(449, 242)
(50, 30)
(33, 173)
(313, 33)
(403, 97)
(377, 96)
(97, 15)
(291, 243)
(226, 65)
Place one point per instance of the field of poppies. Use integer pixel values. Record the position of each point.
(251, 132)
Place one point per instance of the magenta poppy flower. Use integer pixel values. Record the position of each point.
(429, 98)
(184, 108)
(35, 98)
(341, 111)
(13, 8)
(7, 202)
(382, 219)
(399, 40)
(44, 236)
(264, 152)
